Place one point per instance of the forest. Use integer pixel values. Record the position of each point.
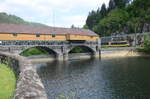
(120, 17)
(12, 19)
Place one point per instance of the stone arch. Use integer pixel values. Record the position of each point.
(48, 49)
(89, 49)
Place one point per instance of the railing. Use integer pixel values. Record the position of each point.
(41, 43)
(23, 42)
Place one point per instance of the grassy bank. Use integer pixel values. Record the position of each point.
(34, 51)
(7, 82)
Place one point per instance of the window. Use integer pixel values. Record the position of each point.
(37, 35)
(14, 35)
(53, 35)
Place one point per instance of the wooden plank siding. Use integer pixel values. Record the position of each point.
(83, 37)
(9, 36)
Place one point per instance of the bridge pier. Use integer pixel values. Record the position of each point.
(65, 56)
(62, 57)
(59, 57)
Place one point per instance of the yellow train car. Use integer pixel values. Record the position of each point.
(118, 44)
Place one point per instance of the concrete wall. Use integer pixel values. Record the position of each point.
(29, 85)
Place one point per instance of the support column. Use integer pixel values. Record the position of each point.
(96, 54)
(65, 56)
(60, 57)
(99, 47)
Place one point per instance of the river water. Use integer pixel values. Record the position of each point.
(111, 78)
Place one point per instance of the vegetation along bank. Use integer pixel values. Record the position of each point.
(7, 82)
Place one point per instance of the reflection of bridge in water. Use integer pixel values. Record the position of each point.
(57, 41)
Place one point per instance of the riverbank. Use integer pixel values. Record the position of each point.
(29, 85)
(121, 52)
(118, 52)
(7, 82)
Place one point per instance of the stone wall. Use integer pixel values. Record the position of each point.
(122, 52)
(60, 48)
(29, 85)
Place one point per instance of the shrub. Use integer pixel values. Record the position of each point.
(147, 44)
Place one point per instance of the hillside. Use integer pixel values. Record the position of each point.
(120, 17)
(12, 19)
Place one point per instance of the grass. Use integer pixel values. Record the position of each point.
(42, 51)
(105, 46)
(34, 51)
(7, 82)
(142, 49)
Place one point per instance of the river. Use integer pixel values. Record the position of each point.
(111, 78)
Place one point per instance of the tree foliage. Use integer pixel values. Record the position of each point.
(121, 16)
(112, 5)
(121, 3)
(146, 45)
(115, 22)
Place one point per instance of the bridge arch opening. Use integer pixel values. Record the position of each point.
(39, 50)
(79, 52)
(81, 49)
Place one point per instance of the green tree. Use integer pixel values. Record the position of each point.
(72, 26)
(91, 19)
(111, 5)
(147, 44)
(121, 3)
(103, 10)
(126, 16)
(85, 27)
(134, 24)
(113, 23)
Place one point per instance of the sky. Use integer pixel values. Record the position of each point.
(58, 13)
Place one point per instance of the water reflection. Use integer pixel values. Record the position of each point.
(117, 78)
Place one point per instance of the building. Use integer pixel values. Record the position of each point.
(24, 32)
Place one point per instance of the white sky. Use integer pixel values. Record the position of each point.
(60, 13)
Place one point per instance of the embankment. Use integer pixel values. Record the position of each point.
(29, 85)
(122, 52)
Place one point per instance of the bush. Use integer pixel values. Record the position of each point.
(147, 44)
